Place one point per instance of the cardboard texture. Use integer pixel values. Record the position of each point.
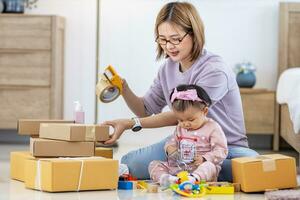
(17, 164)
(55, 148)
(74, 132)
(104, 152)
(59, 175)
(265, 172)
(32, 126)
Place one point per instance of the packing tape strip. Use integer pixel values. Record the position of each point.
(38, 182)
(268, 163)
(90, 132)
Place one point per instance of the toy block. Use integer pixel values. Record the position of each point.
(127, 185)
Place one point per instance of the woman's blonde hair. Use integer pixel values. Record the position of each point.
(184, 15)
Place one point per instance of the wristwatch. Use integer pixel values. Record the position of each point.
(137, 124)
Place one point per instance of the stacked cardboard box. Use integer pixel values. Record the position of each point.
(74, 132)
(62, 157)
(32, 126)
(56, 148)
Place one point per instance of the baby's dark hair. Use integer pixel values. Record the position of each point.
(181, 105)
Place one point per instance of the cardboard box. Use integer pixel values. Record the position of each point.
(55, 148)
(58, 175)
(104, 152)
(32, 126)
(74, 132)
(17, 164)
(264, 172)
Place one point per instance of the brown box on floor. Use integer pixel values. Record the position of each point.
(17, 164)
(104, 152)
(55, 148)
(77, 174)
(32, 126)
(74, 132)
(264, 172)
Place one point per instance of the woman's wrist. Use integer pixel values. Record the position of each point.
(124, 85)
(129, 123)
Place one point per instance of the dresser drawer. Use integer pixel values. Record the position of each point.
(28, 32)
(31, 68)
(27, 68)
(259, 112)
(23, 102)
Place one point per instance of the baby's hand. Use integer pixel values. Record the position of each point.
(198, 160)
(172, 155)
(171, 149)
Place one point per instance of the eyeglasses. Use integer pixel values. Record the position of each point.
(174, 41)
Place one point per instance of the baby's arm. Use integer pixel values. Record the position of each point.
(218, 144)
(198, 160)
(171, 148)
(171, 145)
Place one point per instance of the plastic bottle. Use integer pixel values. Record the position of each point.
(78, 113)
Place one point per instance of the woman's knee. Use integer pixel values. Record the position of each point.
(127, 158)
(236, 152)
(146, 154)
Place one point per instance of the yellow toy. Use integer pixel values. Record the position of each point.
(219, 188)
(183, 176)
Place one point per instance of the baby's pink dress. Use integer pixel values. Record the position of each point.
(209, 141)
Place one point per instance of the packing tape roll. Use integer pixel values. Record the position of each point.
(38, 182)
(102, 86)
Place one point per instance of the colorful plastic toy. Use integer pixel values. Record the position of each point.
(185, 188)
(127, 182)
(127, 177)
(188, 189)
(127, 185)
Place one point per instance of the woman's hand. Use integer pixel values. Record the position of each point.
(119, 125)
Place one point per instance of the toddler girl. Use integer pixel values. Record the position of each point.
(198, 144)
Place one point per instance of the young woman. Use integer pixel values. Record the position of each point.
(180, 39)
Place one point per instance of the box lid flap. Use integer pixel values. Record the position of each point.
(261, 158)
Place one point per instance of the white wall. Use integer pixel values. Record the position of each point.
(80, 51)
(237, 30)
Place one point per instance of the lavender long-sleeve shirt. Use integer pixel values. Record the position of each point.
(218, 80)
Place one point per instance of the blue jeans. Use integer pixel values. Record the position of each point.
(138, 160)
